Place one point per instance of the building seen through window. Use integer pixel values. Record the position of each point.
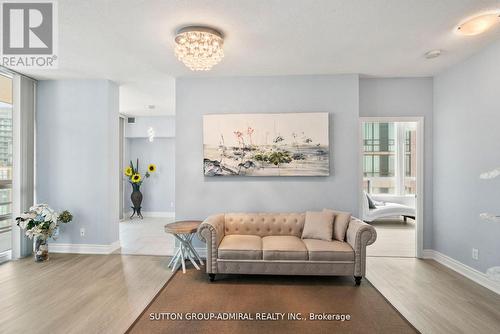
(381, 142)
(5, 162)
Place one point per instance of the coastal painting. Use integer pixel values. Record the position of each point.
(283, 144)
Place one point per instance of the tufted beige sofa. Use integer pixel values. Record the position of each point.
(270, 243)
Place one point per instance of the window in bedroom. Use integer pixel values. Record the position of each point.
(384, 146)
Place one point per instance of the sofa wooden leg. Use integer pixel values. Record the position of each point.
(358, 280)
(211, 277)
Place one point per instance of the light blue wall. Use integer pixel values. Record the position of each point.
(405, 97)
(198, 196)
(159, 190)
(77, 156)
(163, 126)
(467, 143)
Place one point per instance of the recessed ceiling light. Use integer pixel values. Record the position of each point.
(478, 24)
(199, 48)
(432, 54)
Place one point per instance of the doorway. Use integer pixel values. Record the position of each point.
(391, 184)
(121, 158)
(144, 141)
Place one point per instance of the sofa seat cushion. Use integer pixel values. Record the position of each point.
(283, 247)
(320, 250)
(240, 247)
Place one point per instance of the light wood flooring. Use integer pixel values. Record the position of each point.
(78, 293)
(105, 293)
(394, 238)
(433, 298)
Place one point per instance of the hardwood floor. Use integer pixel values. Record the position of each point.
(394, 238)
(105, 293)
(78, 293)
(433, 298)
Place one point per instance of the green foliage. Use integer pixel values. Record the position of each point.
(65, 216)
(277, 158)
(261, 157)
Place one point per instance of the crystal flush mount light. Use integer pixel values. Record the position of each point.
(199, 48)
(478, 24)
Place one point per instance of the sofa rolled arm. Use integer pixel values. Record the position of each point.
(360, 235)
(211, 231)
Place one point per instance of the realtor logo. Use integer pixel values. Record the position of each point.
(29, 34)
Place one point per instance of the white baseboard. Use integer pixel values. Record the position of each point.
(471, 273)
(114, 246)
(5, 256)
(84, 248)
(153, 214)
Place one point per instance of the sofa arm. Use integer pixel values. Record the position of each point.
(360, 235)
(211, 231)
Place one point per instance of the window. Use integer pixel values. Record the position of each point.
(5, 162)
(379, 160)
(381, 154)
(410, 156)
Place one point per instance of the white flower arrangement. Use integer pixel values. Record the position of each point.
(42, 221)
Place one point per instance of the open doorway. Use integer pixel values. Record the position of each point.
(147, 141)
(390, 194)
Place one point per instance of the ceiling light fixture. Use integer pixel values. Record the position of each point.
(432, 54)
(199, 48)
(478, 24)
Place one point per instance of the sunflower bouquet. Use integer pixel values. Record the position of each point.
(135, 179)
(134, 176)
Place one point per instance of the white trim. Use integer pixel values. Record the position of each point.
(5, 256)
(463, 269)
(419, 235)
(115, 245)
(83, 248)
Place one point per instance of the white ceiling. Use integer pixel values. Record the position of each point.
(131, 41)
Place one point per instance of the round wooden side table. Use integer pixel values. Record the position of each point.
(184, 232)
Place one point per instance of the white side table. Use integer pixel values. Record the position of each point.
(184, 232)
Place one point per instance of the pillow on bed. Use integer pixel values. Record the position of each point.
(340, 223)
(371, 202)
(318, 225)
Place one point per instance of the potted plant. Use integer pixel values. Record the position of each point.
(41, 223)
(135, 179)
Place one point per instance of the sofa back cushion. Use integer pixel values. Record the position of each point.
(340, 223)
(318, 225)
(264, 224)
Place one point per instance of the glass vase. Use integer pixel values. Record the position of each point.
(40, 248)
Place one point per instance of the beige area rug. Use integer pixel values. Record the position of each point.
(263, 299)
